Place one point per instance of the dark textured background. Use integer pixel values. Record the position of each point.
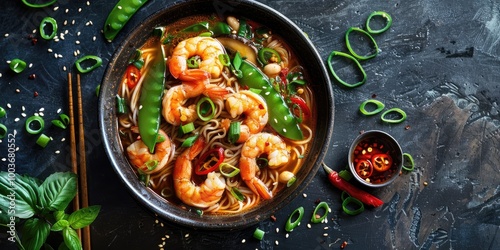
(439, 62)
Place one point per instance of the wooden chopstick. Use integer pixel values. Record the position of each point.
(79, 168)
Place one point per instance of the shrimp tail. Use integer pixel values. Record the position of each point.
(258, 187)
(215, 92)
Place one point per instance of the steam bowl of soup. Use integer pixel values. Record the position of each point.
(215, 114)
(375, 158)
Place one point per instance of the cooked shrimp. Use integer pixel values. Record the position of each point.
(174, 110)
(257, 145)
(207, 48)
(253, 106)
(140, 156)
(207, 193)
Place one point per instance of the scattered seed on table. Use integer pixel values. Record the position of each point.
(63, 139)
(67, 10)
(88, 3)
(65, 22)
(57, 151)
(6, 34)
(56, 8)
(8, 105)
(325, 234)
(243, 241)
(49, 50)
(308, 225)
(119, 7)
(73, 22)
(276, 242)
(277, 230)
(23, 114)
(286, 235)
(305, 195)
(31, 65)
(18, 90)
(78, 33)
(64, 68)
(16, 120)
(186, 235)
(79, 9)
(93, 38)
(4, 159)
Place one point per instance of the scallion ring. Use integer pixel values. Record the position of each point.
(205, 108)
(17, 65)
(97, 63)
(43, 140)
(379, 107)
(2, 112)
(59, 124)
(3, 131)
(388, 22)
(187, 128)
(64, 118)
(345, 55)
(237, 194)
(228, 170)
(36, 122)
(258, 234)
(53, 25)
(344, 195)
(316, 218)
(38, 5)
(349, 201)
(408, 163)
(297, 214)
(224, 59)
(349, 47)
(398, 111)
(121, 106)
(189, 141)
(290, 182)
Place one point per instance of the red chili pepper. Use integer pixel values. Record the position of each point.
(364, 168)
(206, 165)
(133, 75)
(306, 112)
(353, 191)
(381, 162)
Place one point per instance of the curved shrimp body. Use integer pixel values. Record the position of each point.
(140, 156)
(261, 144)
(174, 110)
(207, 193)
(207, 48)
(253, 106)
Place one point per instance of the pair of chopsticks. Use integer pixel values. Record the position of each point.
(79, 167)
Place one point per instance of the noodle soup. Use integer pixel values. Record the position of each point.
(217, 114)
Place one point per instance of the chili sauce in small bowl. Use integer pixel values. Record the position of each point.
(375, 158)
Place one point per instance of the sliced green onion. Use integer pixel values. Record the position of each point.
(143, 177)
(290, 182)
(256, 91)
(152, 164)
(43, 140)
(3, 131)
(398, 111)
(121, 107)
(97, 62)
(315, 217)
(36, 122)
(97, 90)
(258, 234)
(189, 141)
(187, 128)
(38, 5)
(349, 47)
(237, 194)
(205, 109)
(206, 34)
(53, 24)
(228, 170)
(2, 112)
(408, 163)
(59, 124)
(388, 22)
(349, 201)
(361, 70)
(262, 162)
(380, 106)
(167, 192)
(344, 195)
(345, 174)
(64, 118)
(298, 213)
(199, 212)
(237, 60)
(234, 132)
(17, 65)
(193, 62)
(224, 59)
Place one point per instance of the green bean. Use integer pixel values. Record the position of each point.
(119, 16)
(151, 96)
(281, 117)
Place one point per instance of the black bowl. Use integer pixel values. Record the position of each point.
(260, 13)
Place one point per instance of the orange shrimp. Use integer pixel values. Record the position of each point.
(140, 156)
(261, 144)
(207, 193)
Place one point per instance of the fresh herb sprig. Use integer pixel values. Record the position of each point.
(38, 208)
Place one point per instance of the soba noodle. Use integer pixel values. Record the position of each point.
(213, 132)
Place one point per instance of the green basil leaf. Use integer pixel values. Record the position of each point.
(58, 190)
(20, 192)
(60, 225)
(34, 233)
(71, 239)
(83, 217)
(60, 215)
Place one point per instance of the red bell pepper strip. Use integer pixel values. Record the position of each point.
(353, 191)
(206, 165)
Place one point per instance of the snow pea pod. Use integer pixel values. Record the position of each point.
(281, 117)
(151, 96)
(119, 16)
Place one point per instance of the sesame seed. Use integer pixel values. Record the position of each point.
(325, 228)
(8, 105)
(276, 242)
(267, 93)
(286, 235)
(325, 234)
(156, 221)
(93, 38)
(63, 139)
(88, 3)
(55, 55)
(31, 65)
(275, 120)
(6, 34)
(16, 120)
(78, 51)
(186, 235)
(65, 22)
(18, 90)
(243, 241)
(34, 31)
(23, 108)
(56, 8)
(308, 225)
(57, 152)
(60, 56)
(77, 42)
(74, 53)
(66, 32)
(8, 61)
(67, 10)
(59, 111)
(41, 114)
(304, 194)
(64, 68)
(23, 114)
(277, 230)
(49, 50)
(41, 109)
(3, 159)
(119, 7)
(284, 130)
(78, 33)
(79, 9)
(73, 22)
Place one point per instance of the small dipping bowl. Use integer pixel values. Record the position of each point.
(375, 158)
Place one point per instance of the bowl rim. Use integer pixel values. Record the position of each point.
(373, 133)
(146, 196)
